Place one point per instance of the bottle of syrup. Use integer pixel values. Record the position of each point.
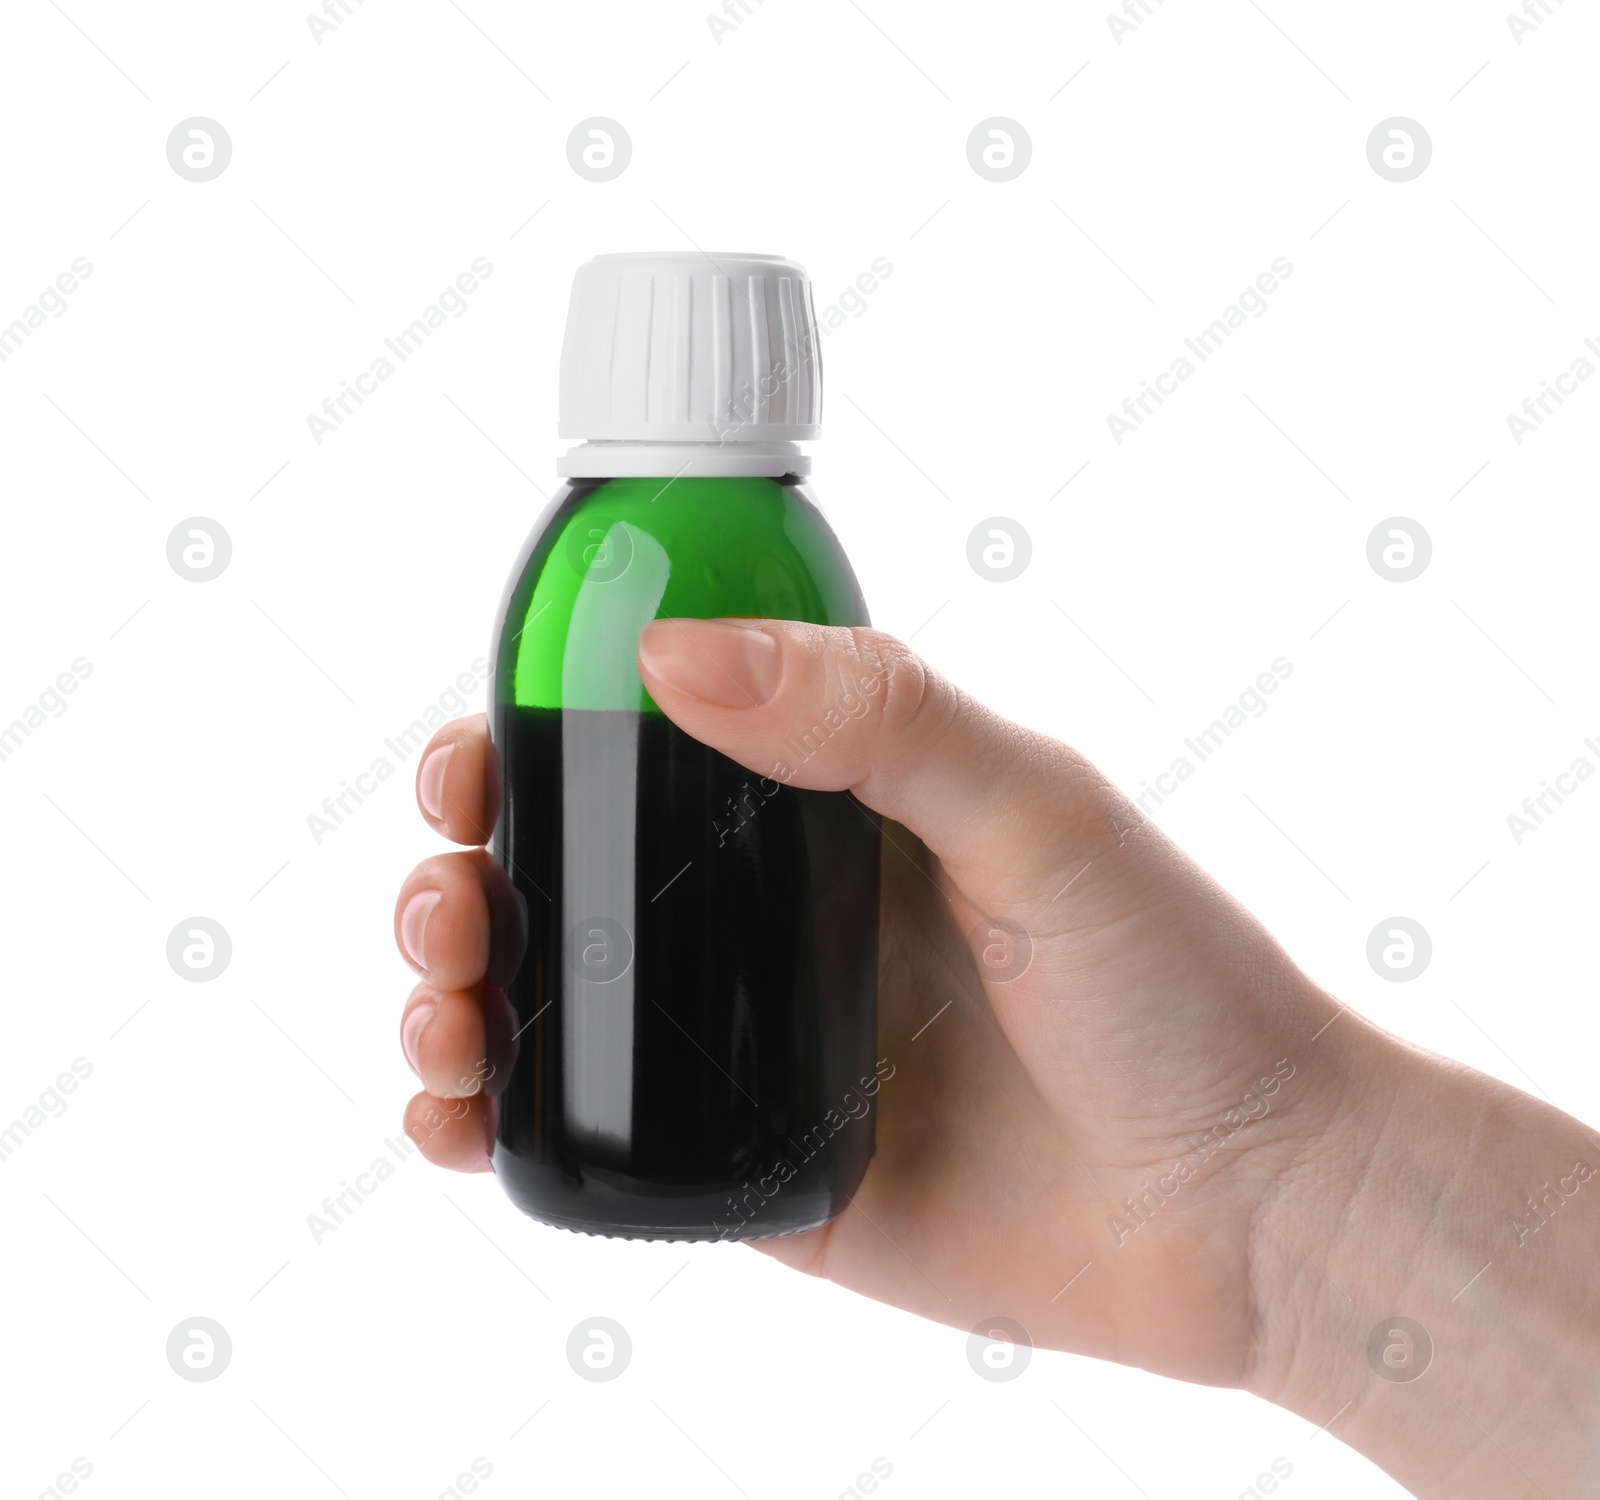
(696, 1056)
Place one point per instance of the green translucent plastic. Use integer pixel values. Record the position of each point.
(611, 555)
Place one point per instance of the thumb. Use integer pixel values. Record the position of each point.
(1007, 811)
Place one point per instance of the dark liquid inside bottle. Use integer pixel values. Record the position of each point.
(697, 1056)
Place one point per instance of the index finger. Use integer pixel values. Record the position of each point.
(458, 781)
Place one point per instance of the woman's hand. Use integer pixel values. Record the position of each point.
(1118, 1114)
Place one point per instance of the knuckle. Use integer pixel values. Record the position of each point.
(912, 699)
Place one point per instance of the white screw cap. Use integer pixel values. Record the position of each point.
(691, 346)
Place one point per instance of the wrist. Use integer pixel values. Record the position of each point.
(1422, 1272)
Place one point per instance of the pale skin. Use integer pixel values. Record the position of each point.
(1299, 1177)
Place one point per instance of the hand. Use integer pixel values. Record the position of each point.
(1119, 1114)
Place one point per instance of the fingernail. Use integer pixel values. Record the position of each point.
(411, 1031)
(414, 921)
(430, 781)
(729, 666)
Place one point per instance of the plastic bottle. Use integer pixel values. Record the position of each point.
(696, 1056)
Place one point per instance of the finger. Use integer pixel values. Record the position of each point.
(458, 921)
(458, 781)
(453, 1133)
(459, 1043)
(835, 708)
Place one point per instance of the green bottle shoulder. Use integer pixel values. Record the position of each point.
(609, 556)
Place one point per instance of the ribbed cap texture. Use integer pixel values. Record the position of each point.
(691, 347)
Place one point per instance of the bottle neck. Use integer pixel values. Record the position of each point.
(625, 459)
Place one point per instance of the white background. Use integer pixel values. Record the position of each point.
(367, 172)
